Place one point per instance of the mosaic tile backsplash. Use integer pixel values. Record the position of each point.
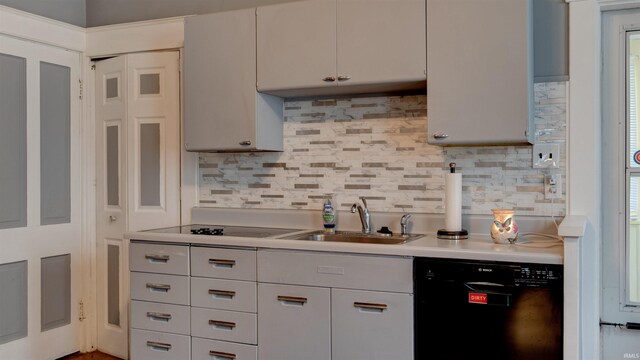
(377, 147)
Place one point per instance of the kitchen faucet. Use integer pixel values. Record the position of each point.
(365, 218)
(403, 224)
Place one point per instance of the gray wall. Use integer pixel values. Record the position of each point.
(69, 11)
(105, 12)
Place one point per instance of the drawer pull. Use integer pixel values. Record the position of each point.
(159, 345)
(159, 316)
(223, 324)
(222, 293)
(157, 258)
(293, 299)
(221, 354)
(159, 287)
(222, 263)
(370, 306)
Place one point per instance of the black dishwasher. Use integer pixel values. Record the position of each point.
(487, 310)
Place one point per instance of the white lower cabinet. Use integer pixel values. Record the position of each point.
(152, 345)
(203, 349)
(368, 325)
(294, 322)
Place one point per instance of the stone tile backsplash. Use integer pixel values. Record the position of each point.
(377, 147)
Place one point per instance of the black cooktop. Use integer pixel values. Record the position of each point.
(224, 230)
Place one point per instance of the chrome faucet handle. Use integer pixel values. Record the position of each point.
(354, 208)
(404, 221)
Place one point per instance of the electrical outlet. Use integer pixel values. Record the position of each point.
(546, 156)
(553, 186)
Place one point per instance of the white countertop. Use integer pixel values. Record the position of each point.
(477, 247)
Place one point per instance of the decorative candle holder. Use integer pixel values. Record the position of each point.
(504, 229)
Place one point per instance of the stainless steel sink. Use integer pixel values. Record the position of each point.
(354, 237)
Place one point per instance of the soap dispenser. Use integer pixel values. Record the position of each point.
(329, 217)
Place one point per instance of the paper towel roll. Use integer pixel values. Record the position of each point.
(453, 201)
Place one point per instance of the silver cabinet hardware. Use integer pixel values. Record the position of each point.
(344, 77)
(224, 324)
(293, 299)
(223, 293)
(161, 287)
(222, 262)
(222, 354)
(159, 345)
(329, 79)
(113, 218)
(159, 316)
(245, 143)
(160, 258)
(440, 136)
(370, 306)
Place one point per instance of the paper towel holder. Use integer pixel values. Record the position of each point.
(445, 234)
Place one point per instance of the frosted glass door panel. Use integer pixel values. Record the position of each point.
(13, 304)
(55, 144)
(113, 165)
(55, 291)
(13, 142)
(150, 164)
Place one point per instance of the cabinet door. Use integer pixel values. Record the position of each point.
(381, 41)
(220, 80)
(480, 71)
(294, 322)
(369, 325)
(296, 45)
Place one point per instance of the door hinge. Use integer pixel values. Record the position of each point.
(93, 67)
(81, 316)
(81, 88)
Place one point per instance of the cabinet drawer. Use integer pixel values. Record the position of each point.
(224, 294)
(336, 270)
(151, 345)
(170, 289)
(223, 263)
(203, 349)
(162, 259)
(224, 325)
(383, 323)
(161, 317)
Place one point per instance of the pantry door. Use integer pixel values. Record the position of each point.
(138, 173)
(40, 201)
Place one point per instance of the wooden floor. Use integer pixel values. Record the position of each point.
(96, 355)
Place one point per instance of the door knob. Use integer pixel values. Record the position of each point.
(112, 218)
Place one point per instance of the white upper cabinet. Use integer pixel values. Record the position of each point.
(480, 73)
(296, 45)
(321, 47)
(223, 111)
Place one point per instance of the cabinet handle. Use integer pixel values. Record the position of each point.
(225, 293)
(293, 299)
(370, 306)
(344, 77)
(440, 136)
(222, 262)
(223, 355)
(160, 258)
(160, 316)
(159, 345)
(245, 143)
(329, 79)
(160, 287)
(225, 324)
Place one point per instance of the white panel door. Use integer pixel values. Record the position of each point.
(138, 173)
(111, 212)
(153, 150)
(33, 242)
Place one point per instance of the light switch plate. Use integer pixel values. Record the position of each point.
(546, 156)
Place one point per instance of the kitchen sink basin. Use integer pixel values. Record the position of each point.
(354, 237)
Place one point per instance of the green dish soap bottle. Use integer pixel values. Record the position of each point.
(329, 215)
